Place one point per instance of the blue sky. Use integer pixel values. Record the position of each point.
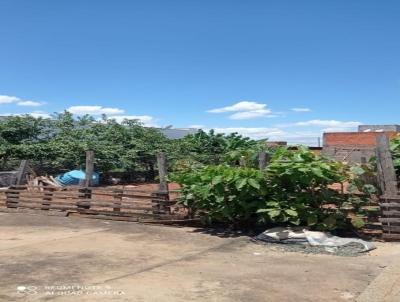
(279, 69)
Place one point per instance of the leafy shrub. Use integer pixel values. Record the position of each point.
(395, 150)
(294, 189)
(299, 182)
(209, 148)
(224, 193)
(57, 144)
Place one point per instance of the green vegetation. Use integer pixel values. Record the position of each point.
(294, 189)
(58, 144)
(204, 148)
(218, 173)
(395, 149)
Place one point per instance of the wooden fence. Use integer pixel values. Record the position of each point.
(109, 203)
(118, 203)
(390, 198)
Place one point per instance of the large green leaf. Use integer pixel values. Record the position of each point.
(254, 183)
(357, 222)
(241, 183)
(291, 212)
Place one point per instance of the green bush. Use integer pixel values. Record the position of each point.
(294, 189)
(299, 182)
(223, 193)
(395, 150)
(58, 144)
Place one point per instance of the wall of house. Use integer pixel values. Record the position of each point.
(353, 147)
(353, 138)
(351, 154)
(386, 128)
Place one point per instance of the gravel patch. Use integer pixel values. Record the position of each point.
(348, 250)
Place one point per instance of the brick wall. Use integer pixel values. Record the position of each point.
(352, 147)
(353, 138)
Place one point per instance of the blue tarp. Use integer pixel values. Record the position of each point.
(73, 178)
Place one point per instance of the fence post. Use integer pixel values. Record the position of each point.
(263, 158)
(23, 167)
(84, 194)
(89, 168)
(160, 198)
(118, 200)
(12, 198)
(47, 198)
(386, 173)
(162, 171)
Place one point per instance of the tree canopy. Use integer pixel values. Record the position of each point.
(58, 144)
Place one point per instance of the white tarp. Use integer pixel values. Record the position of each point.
(299, 235)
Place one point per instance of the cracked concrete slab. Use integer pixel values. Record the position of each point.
(44, 258)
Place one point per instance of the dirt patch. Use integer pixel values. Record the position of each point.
(154, 263)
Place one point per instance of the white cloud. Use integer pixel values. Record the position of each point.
(301, 109)
(246, 115)
(40, 114)
(147, 120)
(30, 103)
(241, 106)
(309, 138)
(273, 134)
(245, 110)
(94, 110)
(329, 124)
(6, 99)
(338, 129)
(35, 114)
(256, 132)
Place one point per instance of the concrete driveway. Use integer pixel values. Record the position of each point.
(48, 258)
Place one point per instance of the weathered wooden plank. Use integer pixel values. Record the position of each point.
(40, 206)
(389, 219)
(76, 194)
(122, 194)
(12, 200)
(30, 201)
(160, 207)
(38, 198)
(262, 160)
(89, 168)
(162, 196)
(88, 201)
(94, 189)
(40, 194)
(391, 237)
(54, 204)
(391, 214)
(386, 171)
(122, 213)
(36, 211)
(23, 168)
(162, 171)
(106, 217)
(170, 221)
(390, 205)
(391, 228)
(113, 205)
(85, 194)
(117, 201)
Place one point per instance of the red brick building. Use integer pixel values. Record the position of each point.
(356, 146)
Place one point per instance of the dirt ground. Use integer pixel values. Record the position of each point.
(51, 258)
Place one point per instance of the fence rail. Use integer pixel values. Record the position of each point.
(107, 202)
(390, 199)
